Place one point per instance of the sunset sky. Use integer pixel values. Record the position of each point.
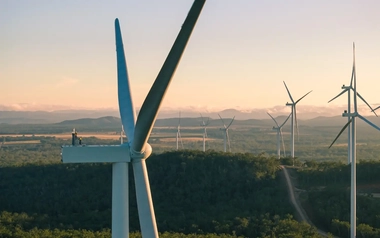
(58, 54)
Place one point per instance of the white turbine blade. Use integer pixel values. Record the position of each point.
(341, 131)
(353, 64)
(366, 103)
(126, 108)
(231, 122)
(285, 120)
(273, 119)
(295, 119)
(354, 78)
(224, 124)
(290, 96)
(149, 109)
(180, 139)
(208, 121)
(283, 144)
(368, 122)
(179, 119)
(228, 141)
(205, 132)
(303, 96)
(345, 90)
(144, 200)
(203, 122)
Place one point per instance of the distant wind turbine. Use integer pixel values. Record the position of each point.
(278, 129)
(122, 133)
(204, 125)
(226, 137)
(294, 118)
(178, 137)
(352, 121)
(137, 150)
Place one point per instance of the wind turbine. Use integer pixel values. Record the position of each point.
(352, 121)
(204, 125)
(178, 137)
(137, 150)
(278, 129)
(294, 117)
(348, 90)
(226, 137)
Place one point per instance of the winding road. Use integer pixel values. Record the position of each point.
(296, 203)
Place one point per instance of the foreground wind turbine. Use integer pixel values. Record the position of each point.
(204, 125)
(137, 150)
(278, 129)
(294, 118)
(348, 90)
(225, 134)
(178, 137)
(352, 121)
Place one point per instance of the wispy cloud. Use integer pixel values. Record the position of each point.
(66, 82)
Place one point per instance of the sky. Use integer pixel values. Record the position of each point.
(58, 54)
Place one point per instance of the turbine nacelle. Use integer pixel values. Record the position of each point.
(141, 155)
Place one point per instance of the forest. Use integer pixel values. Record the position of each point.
(195, 194)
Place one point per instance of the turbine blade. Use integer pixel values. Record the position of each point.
(353, 64)
(273, 119)
(179, 119)
(341, 131)
(290, 96)
(149, 109)
(203, 122)
(285, 120)
(180, 139)
(368, 122)
(143, 196)
(295, 119)
(126, 108)
(345, 90)
(231, 122)
(228, 141)
(366, 103)
(303, 96)
(283, 144)
(354, 78)
(224, 124)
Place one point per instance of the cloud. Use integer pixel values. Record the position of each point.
(66, 82)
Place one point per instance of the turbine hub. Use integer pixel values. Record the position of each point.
(141, 155)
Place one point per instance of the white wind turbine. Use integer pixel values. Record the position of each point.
(352, 120)
(348, 90)
(137, 150)
(294, 118)
(225, 134)
(204, 125)
(178, 137)
(278, 129)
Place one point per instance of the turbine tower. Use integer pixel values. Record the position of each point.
(278, 129)
(294, 118)
(204, 125)
(352, 121)
(137, 150)
(225, 134)
(178, 137)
